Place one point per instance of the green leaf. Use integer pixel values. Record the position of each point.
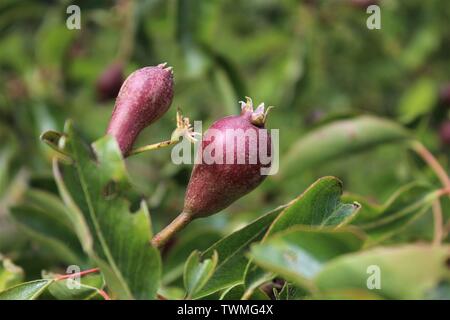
(290, 292)
(43, 218)
(346, 294)
(116, 239)
(52, 139)
(322, 196)
(319, 205)
(197, 273)
(405, 206)
(298, 254)
(406, 272)
(253, 280)
(418, 100)
(189, 241)
(59, 290)
(231, 251)
(10, 274)
(26, 291)
(340, 139)
(236, 292)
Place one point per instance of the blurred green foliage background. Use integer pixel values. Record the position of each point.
(315, 61)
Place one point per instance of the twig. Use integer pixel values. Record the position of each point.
(428, 157)
(77, 274)
(83, 273)
(104, 294)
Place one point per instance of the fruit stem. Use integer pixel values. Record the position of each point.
(153, 146)
(176, 225)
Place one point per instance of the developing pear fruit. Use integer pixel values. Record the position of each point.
(234, 159)
(109, 82)
(214, 186)
(143, 98)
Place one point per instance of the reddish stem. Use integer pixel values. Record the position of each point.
(77, 274)
(104, 294)
(83, 273)
(428, 157)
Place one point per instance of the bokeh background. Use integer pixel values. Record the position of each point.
(315, 61)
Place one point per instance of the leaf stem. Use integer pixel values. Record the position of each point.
(153, 146)
(176, 225)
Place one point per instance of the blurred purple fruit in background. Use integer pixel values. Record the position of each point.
(109, 82)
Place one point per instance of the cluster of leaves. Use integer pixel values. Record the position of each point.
(319, 245)
(80, 205)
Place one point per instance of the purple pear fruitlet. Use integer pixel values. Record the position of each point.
(109, 82)
(213, 186)
(143, 98)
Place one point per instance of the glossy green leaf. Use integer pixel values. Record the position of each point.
(298, 254)
(117, 240)
(381, 222)
(321, 199)
(199, 239)
(197, 273)
(319, 205)
(340, 139)
(26, 291)
(231, 250)
(405, 272)
(52, 139)
(236, 292)
(59, 290)
(290, 292)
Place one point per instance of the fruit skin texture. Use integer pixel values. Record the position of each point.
(109, 82)
(213, 187)
(143, 98)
